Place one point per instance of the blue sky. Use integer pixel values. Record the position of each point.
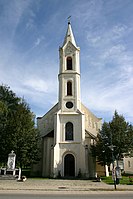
(31, 32)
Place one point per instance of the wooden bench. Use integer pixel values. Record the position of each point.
(131, 178)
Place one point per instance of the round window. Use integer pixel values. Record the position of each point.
(69, 104)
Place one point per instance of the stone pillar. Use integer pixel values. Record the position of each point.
(106, 171)
(19, 175)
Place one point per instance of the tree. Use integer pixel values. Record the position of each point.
(121, 136)
(115, 138)
(17, 129)
(26, 136)
(8, 102)
(101, 149)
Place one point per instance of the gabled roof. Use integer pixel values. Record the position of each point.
(69, 36)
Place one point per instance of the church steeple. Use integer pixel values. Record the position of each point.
(69, 36)
(69, 74)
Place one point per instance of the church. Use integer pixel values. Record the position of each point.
(69, 128)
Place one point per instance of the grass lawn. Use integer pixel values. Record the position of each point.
(123, 180)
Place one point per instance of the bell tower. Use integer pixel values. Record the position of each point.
(69, 74)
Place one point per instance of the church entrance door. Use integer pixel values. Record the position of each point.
(69, 165)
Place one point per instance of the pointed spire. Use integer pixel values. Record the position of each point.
(69, 35)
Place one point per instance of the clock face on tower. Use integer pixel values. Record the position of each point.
(69, 105)
(69, 49)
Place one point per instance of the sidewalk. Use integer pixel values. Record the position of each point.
(53, 185)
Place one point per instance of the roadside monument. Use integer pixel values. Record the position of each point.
(11, 163)
(10, 172)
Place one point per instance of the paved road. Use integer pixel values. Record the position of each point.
(62, 189)
(59, 185)
(97, 195)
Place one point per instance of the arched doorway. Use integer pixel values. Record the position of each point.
(69, 165)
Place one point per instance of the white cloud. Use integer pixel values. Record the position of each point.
(36, 84)
(111, 64)
(11, 15)
(119, 30)
(113, 52)
(38, 41)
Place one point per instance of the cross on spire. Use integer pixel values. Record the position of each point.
(69, 19)
(69, 34)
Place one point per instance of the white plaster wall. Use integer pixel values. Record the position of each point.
(76, 119)
(47, 156)
(92, 123)
(69, 50)
(76, 149)
(46, 123)
(75, 98)
(128, 164)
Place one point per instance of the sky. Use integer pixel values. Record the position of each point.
(31, 32)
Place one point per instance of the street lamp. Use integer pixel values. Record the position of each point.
(113, 167)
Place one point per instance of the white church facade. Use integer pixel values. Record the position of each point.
(68, 129)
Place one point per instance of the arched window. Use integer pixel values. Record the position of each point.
(69, 88)
(69, 63)
(69, 131)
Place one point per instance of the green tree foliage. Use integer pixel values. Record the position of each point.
(17, 129)
(114, 139)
